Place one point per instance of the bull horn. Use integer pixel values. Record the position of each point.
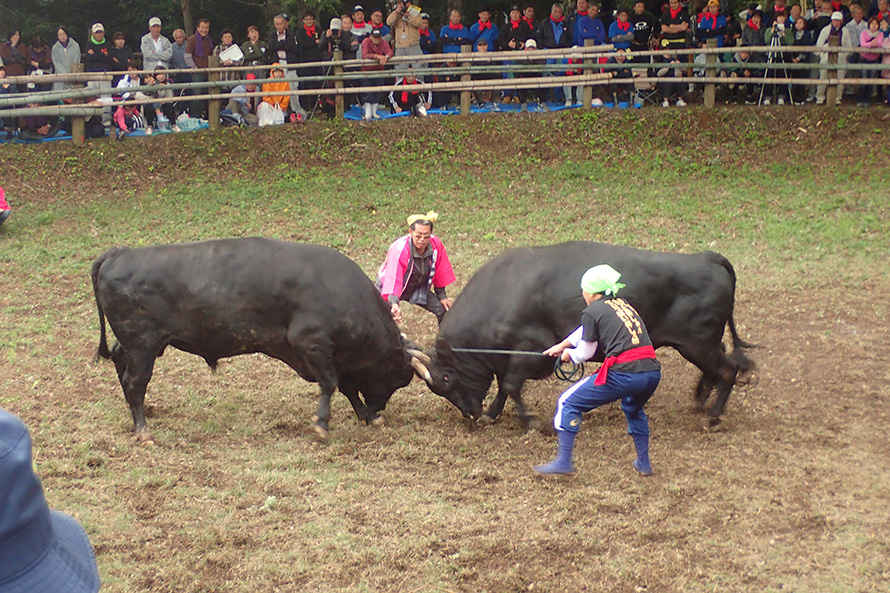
(419, 354)
(421, 369)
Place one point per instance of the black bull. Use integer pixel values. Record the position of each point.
(306, 305)
(530, 299)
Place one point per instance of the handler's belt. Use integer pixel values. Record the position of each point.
(641, 353)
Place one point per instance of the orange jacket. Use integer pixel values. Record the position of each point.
(282, 100)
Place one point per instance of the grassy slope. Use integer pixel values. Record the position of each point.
(236, 497)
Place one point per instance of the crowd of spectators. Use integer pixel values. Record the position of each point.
(406, 31)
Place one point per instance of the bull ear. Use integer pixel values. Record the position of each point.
(443, 349)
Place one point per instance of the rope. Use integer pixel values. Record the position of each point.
(564, 371)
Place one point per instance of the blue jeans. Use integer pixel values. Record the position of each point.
(633, 389)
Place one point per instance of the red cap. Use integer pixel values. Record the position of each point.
(251, 76)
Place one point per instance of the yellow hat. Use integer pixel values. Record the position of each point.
(430, 216)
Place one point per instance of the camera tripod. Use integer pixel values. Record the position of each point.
(772, 57)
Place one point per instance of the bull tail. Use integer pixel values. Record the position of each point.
(739, 345)
(102, 350)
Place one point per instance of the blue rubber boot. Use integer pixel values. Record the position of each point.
(563, 462)
(641, 463)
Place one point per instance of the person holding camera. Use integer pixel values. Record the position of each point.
(778, 35)
(405, 22)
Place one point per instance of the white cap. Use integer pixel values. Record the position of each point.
(97, 27)
(154, 21)
(531, 43)
(336, 24)
(837, 15)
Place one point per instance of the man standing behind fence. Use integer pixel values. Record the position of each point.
(405, 23)
(834, 30)
(198, 50)
(156, 49)
(97, 59)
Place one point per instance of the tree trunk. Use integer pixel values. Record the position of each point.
(188, 25)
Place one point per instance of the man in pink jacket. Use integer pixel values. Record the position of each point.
(417, 269)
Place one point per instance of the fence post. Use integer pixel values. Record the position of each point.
(338, 99)
(465, 95)
(710, 71)
(78, 122)
(831, 91)
(587, 92)
(213, 106)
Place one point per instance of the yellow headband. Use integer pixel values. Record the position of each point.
(430, 216)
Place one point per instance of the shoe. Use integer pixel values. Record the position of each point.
(750, 102)
(568, 104)
(810, 99)
(421, 110)
(4, 214)
(665, 103)
(149, 131)
(554, 468)
(681, 103)
(820, 101)
(766, 101)
(597, 102)
(516, 101)
(176, 128)
(641, 463)
(292, 118)
(781, 101)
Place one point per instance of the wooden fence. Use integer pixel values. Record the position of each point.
(530, 70)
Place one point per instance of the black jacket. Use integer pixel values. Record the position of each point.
(288, 45)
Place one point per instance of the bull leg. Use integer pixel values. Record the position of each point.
(703, 392)
(719, 370)
(134, 380)
(323, 414)
(495, 408)
(361, 410)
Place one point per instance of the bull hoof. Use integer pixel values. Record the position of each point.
(532, 423)
(377, 422)
(144, 439)
(321, 434)
(484, 419)
(713, 424)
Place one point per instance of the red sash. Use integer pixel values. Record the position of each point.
(641, 353)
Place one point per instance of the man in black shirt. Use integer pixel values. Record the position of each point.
(643, 23)
(630, 370)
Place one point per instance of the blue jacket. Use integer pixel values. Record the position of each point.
(490, 35)
(614, 31)
(711, 28)
(452, 39)
(428, 42)
(591, 28)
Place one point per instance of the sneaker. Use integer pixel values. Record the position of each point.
(298, 118)
(781, 101)
(175, 128)
(421, 110)
(149, 131)
(681, 103)
(810, 99)
(597, 102)
(292, 118)
(665, 103)
(568, 104)
(766, 101)
(820, 101)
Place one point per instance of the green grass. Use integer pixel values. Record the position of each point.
(236, 495)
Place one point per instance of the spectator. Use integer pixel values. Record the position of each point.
(405, 23)
(128, 80)
(377, 23)
(38, 127)
(870, 38)
(794, 13)
(512, 37)
(40, 62)
(733, 31)
(14, 54)
(822, 18)
(802, 37)
(349, 37)
(227, 40)
(254, 49)
(839, 6)
(622, 87)
(154, 111)
(780, 35)
(120, 54)
(485, 96)
(643, 24)
(309, 50)
(282, 45)
(582, 9)
(338, 38)
(769, 16)
(156, 49)
(528, 15)
(454, 34)
(620, 33)
(44, 550)
(711, 24)
(429, 43)
(674, 26)
(484, 29)
(417, 102)
(66, 53)
(245, 107)
(589, 27)
(274, 103)
(198, 50)
(556, 34)
(834, 30)
(854, 28)
(178, 63)
(534, 95)
(360, 27)
(374, 48)
(882, 11)
(742, 91)
(6, 88)
(671, 66)
(885, 62)
(417, 269)
(97, 59)
(128, 118)
(5, 210)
